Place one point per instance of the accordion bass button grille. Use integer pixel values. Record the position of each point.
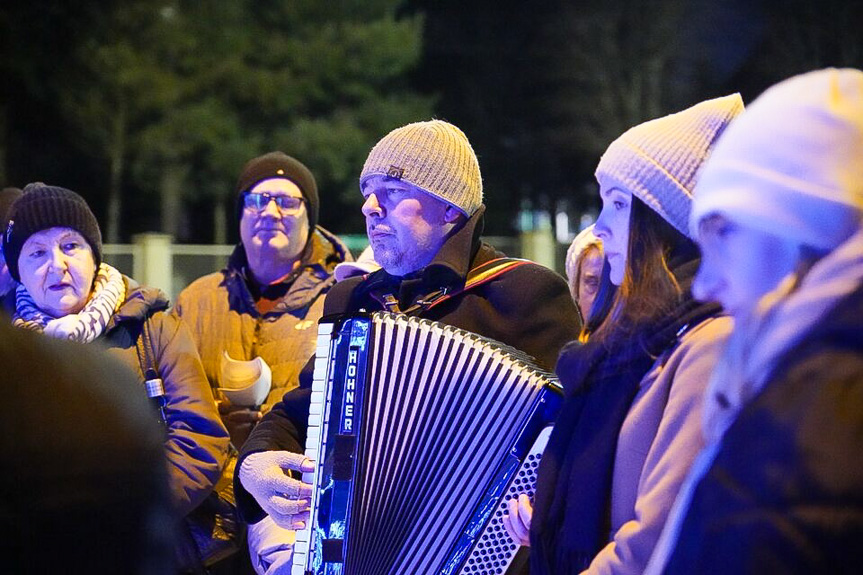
(494, 550)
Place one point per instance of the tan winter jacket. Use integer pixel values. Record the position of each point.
(658, 442)
(221, 314)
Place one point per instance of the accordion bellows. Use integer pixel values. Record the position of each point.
(420, 432)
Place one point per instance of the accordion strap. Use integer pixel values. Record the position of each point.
(490, 270)
(481, 274)
(477, 276)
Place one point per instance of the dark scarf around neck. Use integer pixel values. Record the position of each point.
(571, 520)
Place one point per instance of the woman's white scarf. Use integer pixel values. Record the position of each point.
(109, 291)
(783, 318)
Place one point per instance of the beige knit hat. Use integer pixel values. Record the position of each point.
(658, 160)
(434, 156)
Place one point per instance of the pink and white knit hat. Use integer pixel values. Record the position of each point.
(658, 161)
(792, 165)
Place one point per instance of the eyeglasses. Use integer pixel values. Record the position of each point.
(288, 205)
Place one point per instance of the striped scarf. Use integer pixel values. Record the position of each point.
(109, 291)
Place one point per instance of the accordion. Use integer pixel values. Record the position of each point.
(420, 432)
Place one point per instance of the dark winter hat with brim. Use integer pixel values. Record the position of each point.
(42, 207)
(280, 165)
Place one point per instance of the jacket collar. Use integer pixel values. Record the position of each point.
(141, 302)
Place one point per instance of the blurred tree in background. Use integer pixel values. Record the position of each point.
(163, 102)
(542, 88)
(568, 78)
(150, 107)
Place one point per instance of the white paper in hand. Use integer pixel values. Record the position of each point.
(245, 383)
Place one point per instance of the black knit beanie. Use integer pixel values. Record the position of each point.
(42, 207)
(7, 198)
(279, 165)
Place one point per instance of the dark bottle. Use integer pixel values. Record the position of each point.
(156, 393)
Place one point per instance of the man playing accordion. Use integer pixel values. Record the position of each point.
(424, 215)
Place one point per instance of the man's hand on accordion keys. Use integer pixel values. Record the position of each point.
(267, 477)
(517, 519)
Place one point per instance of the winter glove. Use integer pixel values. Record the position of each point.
(266, 476)
(271, 547)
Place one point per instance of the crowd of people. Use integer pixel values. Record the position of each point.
(709, 343)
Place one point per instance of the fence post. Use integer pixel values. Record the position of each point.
(153, 264)
(537, 238)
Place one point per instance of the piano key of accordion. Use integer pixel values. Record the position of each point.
(313, 436)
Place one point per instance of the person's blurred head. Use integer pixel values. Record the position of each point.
(584, 261)
(784, 186)
(646, 180)
(83, 463)
(420, 183)
(278, 210)
(53, 247)
(740, 263)
(7, 197)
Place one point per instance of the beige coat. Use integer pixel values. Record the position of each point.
(658, 442)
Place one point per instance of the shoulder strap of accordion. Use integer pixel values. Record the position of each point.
(491, 269)
(479, 275)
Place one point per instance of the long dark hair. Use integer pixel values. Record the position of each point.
(649, 289)
(601, 303)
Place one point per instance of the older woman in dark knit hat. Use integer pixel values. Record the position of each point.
(53, 247)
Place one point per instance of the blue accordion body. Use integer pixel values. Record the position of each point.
(420, 432)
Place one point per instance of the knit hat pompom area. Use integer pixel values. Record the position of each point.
(791, 165)
(658, 161)
(280, 165)
(42, 207)
(434, 156)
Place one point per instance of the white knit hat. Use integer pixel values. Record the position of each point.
(658, 160)
(434, 156)
(792, 165)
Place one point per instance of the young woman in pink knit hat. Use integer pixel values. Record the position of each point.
(630, 424)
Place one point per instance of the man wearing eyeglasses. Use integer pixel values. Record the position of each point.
(265, 304)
